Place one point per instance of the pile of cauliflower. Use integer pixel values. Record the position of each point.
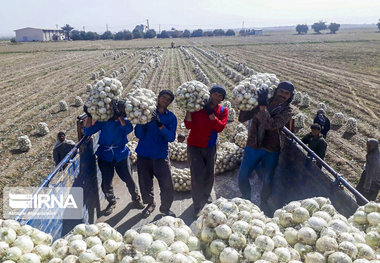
(241, 139)
(181, 179)
(244, 95)
(139, 105)
(228, 158)
(191, 95)
(178, 151)
(100, 96)
(132, 151)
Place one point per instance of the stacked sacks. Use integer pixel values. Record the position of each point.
(78, 101)
(244, 95)
(178, 151)
(241, 128)
(367, 219)
(352, 126)
(139, 105)
(231, 111)
(299, 120)
(62, 105)
(181, 179)
(320, 234)
(241, 139)
(191, 95)
(305, 102)
(166, 240)
(338, 119)
(100, 97)
(89, 243)
(24, 143)
(23, 243)
(132, 150)
(228, 158)
(236, 230)
(43, 128)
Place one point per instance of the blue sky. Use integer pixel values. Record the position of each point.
(181, 14)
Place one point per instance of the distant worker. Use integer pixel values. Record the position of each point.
(204, 126)
(323, 121)
(172, 45)
(62, 147)
(181, 137)
(316, 142)
(369, 183)
(113, 154)
(152, 155)
(263, 144)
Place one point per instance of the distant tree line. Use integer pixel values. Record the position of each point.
(318, 27)
(138, 32)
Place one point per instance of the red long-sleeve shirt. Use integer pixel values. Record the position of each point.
(203, 131)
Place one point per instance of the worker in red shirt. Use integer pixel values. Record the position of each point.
(204, 126)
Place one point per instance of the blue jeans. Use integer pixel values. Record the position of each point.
(252, 157)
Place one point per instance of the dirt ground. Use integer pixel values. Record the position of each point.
(341, 70)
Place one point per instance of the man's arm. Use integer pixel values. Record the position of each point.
(273, 123)
(169, 130)
(56, 156)
(89, 128)
(125, 125)
(306, 139)
(188, 120)
(219, 123)
(321, 149)
(140, 130)
(246, 115)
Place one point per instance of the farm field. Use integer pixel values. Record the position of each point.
(342, 71)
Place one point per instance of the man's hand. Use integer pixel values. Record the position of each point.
(262, 96)
(207, 107)
(156, 118)
(85, 109)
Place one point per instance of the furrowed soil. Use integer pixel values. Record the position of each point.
(341, 70)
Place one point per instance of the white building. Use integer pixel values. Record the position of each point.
(38, 34)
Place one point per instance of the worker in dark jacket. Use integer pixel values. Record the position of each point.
(152, 155)
(323, 121)
(113, 154)
(369, 183)
(315, 141)
(263, 144)
(61, 147)
(204, 126)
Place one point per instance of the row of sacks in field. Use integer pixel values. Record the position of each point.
(227, 231)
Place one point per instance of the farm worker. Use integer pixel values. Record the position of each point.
(263, 144)
(152, 155)
(316, 142)
(62, 147)
(323, 121)
(369, 183)
(204, 126)
(113, 154)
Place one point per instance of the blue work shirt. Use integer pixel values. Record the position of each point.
(153, 142)
(112, 139)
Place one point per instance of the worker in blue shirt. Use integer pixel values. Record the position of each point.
(113, 154)
(152, 155)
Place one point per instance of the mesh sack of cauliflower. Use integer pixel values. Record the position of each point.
(24, 143)
(23, 243)
(181, 179)
(231, 111)
(132, 151)
(338, 119)
(166, 240)
(139, 105)
(190, 96)
(100, 96)
(43, 128)
(178, 151)
(352, 126)
(228, 158)
(244, 95)
(241, 139)
(320, 234)
(237, 230)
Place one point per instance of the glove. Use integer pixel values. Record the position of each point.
(262, 96)
(85, 109)
(207, 107)
(156, 118)
(116, 110)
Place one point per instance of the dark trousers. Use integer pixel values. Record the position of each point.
(202, 164)
(370, 194)
(124, 170)
(160, 168)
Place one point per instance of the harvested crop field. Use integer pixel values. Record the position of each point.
(342, 71)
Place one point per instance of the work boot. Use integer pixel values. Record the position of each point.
(138, 203)
(111, 205)
(148, 210)
(167, 212)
